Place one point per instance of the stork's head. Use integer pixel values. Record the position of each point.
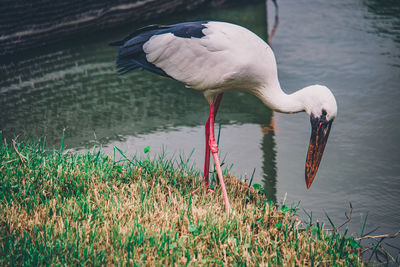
(320, 104)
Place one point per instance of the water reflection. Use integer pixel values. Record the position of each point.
(269, 165)
(387, 20)
(276, 21)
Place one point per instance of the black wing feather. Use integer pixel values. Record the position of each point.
(131, 55)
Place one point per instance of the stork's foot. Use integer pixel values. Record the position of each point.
(203, 186)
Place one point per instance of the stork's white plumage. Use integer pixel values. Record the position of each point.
(216, 57)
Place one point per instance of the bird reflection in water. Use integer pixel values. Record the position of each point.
(270, 129)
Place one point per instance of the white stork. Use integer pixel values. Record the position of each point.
(216, 57)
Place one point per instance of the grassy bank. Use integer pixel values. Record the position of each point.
(58, 208)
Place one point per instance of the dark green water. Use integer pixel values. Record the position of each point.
(353, 47)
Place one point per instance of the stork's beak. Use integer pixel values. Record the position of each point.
(319, 136)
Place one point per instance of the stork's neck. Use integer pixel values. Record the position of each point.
(275, 98)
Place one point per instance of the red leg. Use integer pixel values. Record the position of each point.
(206, 172)
(214, 150)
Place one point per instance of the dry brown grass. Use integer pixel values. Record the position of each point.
(88, 210)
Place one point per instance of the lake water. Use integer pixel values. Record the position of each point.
(351, 46)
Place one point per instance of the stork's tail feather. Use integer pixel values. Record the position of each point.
(126, 66)
(131, 55)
